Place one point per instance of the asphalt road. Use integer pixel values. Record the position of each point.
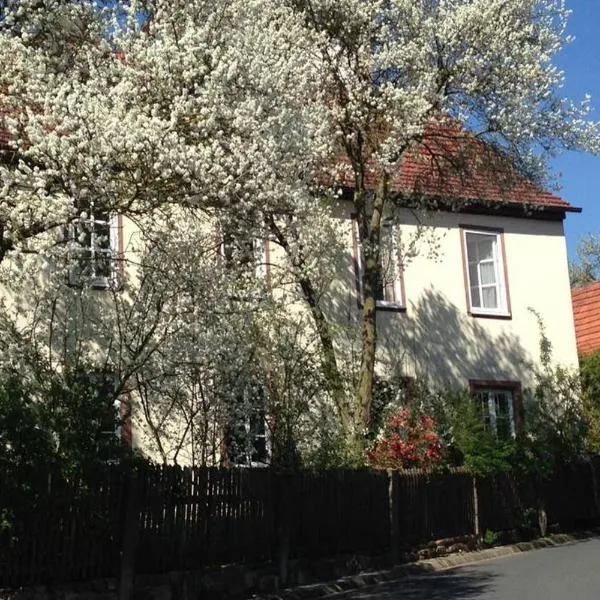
(569, 572)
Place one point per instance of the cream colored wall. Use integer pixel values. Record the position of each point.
(436, 336)
(31, 283)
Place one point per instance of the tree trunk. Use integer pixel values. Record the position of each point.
(369, 226)
(328, 359)
(329, 366)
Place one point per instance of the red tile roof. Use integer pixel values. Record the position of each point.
(3, 130)
(586, 310)
(461, 166)
(452, 163)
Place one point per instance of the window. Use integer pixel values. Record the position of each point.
(247, 441)
(499, 403)
(94, 391)
(93, 249)
(484, 273)
(242, 252)
(389, 291)
(236, 250)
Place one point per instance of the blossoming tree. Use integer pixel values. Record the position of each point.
(399, 69)
(244, 111)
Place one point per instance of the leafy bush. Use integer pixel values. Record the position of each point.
(555, 425)
(555, 428)
(590, 386)
(59, 427)
(490, 537)
(464, 434)
(26, 447)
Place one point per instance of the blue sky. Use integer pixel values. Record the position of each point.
(580, 173)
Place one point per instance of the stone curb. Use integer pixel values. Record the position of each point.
(335, 589)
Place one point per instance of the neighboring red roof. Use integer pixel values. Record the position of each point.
(586, 310)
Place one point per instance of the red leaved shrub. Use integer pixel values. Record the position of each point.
(410, 440)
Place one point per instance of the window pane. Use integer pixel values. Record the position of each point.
(236, 439)
(83, 234)
(497, 412)
(485, 246)
(101, 218)
(472, 247)
(386, 285)
(503, 415)
(473, 274)
(227, 248)
(488, 273)
(102, 235)
(389, 291)
(257, 432)
(103, 264)
(489, 297)
(475, 297)
(483, 407)
(385, 290)
(379, 289)
(83, 267)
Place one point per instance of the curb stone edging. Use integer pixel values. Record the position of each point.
(335, 589)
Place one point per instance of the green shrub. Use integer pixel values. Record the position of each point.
(59, 427)
(462, 429)
(490, 537)
(590, 385)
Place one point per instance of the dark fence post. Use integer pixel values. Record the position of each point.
(130, 527)
(394, 512)
(284, 496)
(592, 466)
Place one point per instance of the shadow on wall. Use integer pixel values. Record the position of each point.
(436, 339)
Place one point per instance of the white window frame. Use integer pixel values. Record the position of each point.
(95, 281)
(501, 286)
(399, 302)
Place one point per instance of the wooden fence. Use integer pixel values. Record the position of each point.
(191, 518)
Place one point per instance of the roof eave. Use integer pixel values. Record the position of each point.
(508, 208)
